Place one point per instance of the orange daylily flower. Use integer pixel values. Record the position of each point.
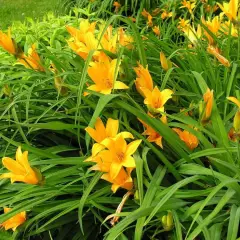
(166, 14)
(124, 39)
(119, 153)
(33, 60)
(165, 63)
(208, 100)
(236, 120)
(230, 9)
(117, 6)
(15, 221)
(145, 13)
(153, 136)
(148, 16)
(102, 73)
(123, 179)
(149, 22)
(156, 30)
(190, 6)
(190, 140)
(156, 99)
(101, 132)
(143, 80)
(7, 42)
(20, 170)
(216, 53)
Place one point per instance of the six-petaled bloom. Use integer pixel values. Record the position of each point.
(20, 169)
(103, 75)
(156, 99)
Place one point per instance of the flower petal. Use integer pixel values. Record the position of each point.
(234, 100)
(13, 166)
(120, 85)
(129, 162)
(132, 147)
(112, 127)
(115, 169)
(126, 135)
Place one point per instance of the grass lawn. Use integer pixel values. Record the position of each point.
(17, 10)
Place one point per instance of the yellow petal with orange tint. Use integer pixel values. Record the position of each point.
(234, 100)
(132, 147)
(13, 166)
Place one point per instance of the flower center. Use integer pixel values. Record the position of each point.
(108, 83)
(120, 156)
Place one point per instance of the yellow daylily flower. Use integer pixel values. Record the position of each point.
(33, 60)
(213, 26)
(230, 9)
(156, 30)
(208, 100)
(156, 99)
(84, 27)
(123, 179)
(101, 132)
(109, 40)
(165, 63)
(20, 170)
(15, 221)
(236, 120)
(82, 48)
(192, 34)
(143, 80)
(83, 39)
(190, 140)
(119, 153)
(216, 53)
(190, 6)
(102, 73)
(183, 23)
